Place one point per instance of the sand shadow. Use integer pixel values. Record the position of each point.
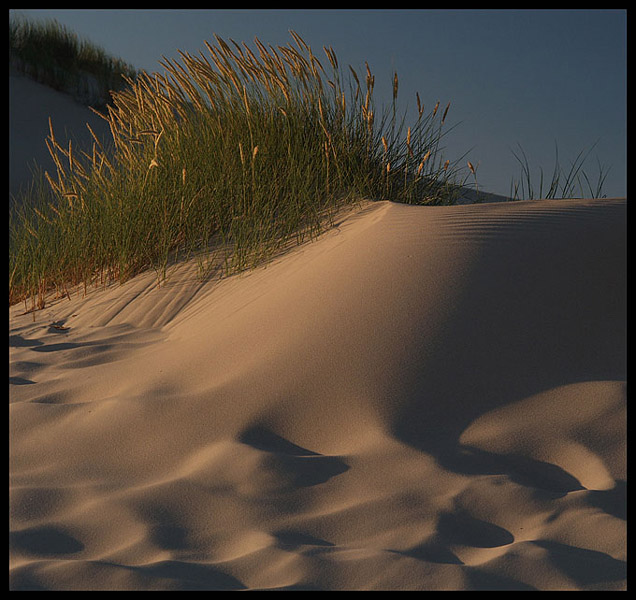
(613, 502)
(188, 576)
(479, 580)
(169, 537)
(20, 381)
(539, 308)
(432, 550)
(178, 575)
(262, 438)
(585, 567)
(459, 528)
(17, 341)
(301, 467)
(293, 540)
(521, 469)
(45, 541)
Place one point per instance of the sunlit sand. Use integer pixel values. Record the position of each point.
(423, 398)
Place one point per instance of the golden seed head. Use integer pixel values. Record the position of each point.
(355, 75)
(445, 113)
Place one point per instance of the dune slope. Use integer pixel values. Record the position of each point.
(424, 398)
(31, 104)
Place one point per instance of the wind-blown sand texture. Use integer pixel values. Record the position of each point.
(425, 398)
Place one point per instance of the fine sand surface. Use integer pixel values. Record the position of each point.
(424, 398)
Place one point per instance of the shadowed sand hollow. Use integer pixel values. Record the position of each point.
(424, 398)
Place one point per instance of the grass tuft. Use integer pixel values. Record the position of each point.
(233, 152)
(227, 155)
(571, 183)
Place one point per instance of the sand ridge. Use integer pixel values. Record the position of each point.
(423, 398)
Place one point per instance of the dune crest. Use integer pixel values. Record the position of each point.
(424, 398)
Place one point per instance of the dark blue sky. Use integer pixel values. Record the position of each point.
(529, 77)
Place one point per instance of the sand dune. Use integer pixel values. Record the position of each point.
(425, 398)
(30, 106)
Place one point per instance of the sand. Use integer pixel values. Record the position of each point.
(424, 398)
(30, 106)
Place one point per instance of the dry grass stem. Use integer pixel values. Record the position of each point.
(169, 188)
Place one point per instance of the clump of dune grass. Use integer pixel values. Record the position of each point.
(571, 183)
(235, 150)
(50, 53)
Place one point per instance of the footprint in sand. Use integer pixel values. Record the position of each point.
(469, 540)
(296, 465)
(459, 528)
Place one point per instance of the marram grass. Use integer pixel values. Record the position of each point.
(233, 152)
(570, 183)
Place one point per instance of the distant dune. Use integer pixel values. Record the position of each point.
(30, 106)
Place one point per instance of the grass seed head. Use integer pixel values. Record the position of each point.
(445, 112)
